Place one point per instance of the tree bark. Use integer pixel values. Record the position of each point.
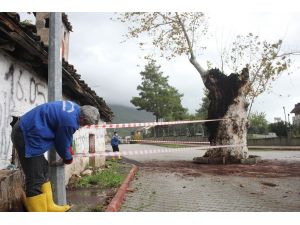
(228, 102)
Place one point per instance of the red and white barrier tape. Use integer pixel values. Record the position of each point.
(146, 124)
(153, 151)
(171, 142)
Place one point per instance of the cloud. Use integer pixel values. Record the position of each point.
(110, 67)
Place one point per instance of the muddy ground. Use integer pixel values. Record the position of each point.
(265, 168)
(94, 198)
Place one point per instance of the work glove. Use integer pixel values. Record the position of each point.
(70, 160)
(71, 150)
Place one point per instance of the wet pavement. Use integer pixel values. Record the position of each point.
(189, 153)
(161, 189)
(86, 200)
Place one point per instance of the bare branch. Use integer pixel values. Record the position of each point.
(193, 60)
(288, 54)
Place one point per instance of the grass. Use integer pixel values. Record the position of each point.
(111, 177)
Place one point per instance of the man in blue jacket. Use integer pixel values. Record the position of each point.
(115, 141)
(39, 130)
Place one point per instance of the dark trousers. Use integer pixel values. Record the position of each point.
(35, 168)
(115, 148)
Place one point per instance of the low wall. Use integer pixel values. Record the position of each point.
(274, 142)
(253, 142)
(81, 163)
(180, 138)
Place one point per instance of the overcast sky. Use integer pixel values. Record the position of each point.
(112, 68)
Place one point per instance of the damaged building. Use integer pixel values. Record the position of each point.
(24, 76)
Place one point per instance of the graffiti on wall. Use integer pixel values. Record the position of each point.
(81, 139)
(19, 92)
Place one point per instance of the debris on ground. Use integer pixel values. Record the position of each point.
(87, 172)
(265, 168)
(269, 184)
(131, 189)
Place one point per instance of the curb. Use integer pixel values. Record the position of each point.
(116, 202)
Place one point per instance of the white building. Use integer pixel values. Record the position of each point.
(23, 85)
(296, 118)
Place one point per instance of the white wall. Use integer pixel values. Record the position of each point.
(81, 140)
(20, 91)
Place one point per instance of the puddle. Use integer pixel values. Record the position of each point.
(86, 200)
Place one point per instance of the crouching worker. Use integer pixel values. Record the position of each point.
(48, 125)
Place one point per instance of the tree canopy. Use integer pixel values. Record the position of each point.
(175, 34)
(203, 110)
(157, 96)
(279, 128)
(258, 123)
(265, 62)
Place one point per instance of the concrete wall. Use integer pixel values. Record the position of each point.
(251, 142)
(180, 138)
(274, 142)
(81, 139)
(20, 90)
(82, 142)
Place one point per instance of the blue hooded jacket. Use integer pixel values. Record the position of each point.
(115, 141)
(50, 124)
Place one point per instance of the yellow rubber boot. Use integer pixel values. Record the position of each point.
(51, 206)
(36, 203)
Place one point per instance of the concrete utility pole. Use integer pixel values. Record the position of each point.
(284, 115)
(57, 174)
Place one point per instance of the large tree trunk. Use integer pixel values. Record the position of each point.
(227, 101)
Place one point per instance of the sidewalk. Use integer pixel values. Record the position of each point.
(169, 192)
(161, 191)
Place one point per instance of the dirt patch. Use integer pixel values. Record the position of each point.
(265, 168)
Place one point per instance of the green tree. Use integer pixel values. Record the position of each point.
(258, 123)
(265, 61)
(279, 128)
(201, 113)
(157, 96)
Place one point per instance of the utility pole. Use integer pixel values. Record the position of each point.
(57, 173)
(284, 115)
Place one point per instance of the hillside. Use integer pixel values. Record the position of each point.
(126, 114)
